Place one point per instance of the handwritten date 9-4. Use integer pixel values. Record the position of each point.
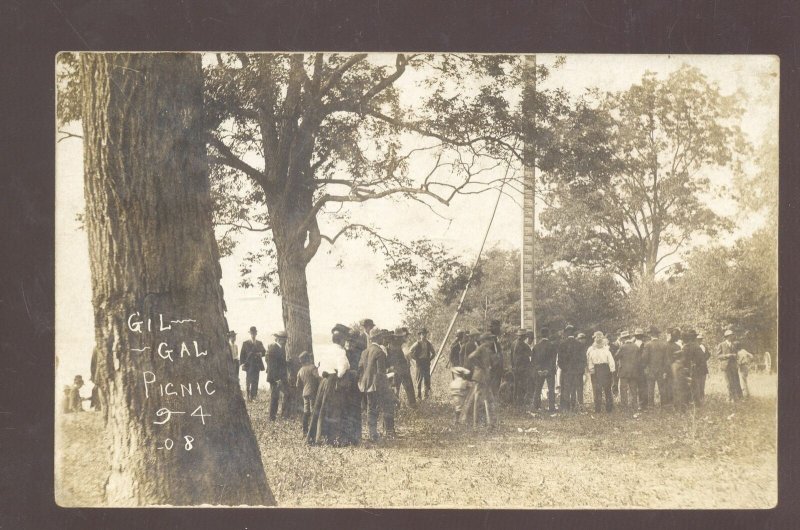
(198, 412)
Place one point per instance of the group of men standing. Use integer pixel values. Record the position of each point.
(368, 372)
(636, 366)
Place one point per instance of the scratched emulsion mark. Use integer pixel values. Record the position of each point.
(180, 391)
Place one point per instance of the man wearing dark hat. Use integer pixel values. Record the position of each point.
(470, 344)
(498, 364)
(423, 353)
(375, 385)
(456, 349)
(277, 374)
(572, 361)
(398, 365)
(654, 361)
(694, 360)
(682, 368)
(521, 366)
(252, 363)
(629, 366)
(544, 365)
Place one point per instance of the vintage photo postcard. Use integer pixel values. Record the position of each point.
(416, 280)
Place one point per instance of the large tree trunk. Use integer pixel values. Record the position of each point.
(292, 258)
(152, 251)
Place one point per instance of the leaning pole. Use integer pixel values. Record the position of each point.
(527, 283)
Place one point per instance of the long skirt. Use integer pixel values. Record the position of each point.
(732, 378)
(351, 409)
(326, 417)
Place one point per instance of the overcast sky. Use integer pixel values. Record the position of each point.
(352, 292)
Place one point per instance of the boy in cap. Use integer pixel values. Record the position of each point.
(307, 384)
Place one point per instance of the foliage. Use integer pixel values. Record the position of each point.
(720, 288)
(585, 298)
(627, 174)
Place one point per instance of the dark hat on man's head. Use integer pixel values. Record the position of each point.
(689, 334)
(400, 333)
(78, 378)
(367, 322)
(674, 331)
(341, 328)
(231, 333)
(253, 329)
(281, 335)
(544, 331)
(654, 331)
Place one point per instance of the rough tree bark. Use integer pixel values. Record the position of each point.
(152, 251)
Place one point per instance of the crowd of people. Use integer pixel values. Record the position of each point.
(372, 371)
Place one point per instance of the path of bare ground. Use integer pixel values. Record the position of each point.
(720, 456)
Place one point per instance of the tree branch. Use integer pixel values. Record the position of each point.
(231, 160)
(337, 74)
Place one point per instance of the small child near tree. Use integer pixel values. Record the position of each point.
(307, 383)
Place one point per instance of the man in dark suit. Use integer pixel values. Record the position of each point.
(250, 357)
(423, 353)
(277, 374)
(544, 366)
(572, 361)
(375, 385)
(521, 366)
(654, 360)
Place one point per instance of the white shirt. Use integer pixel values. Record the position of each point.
(599, 355)
(335, 363)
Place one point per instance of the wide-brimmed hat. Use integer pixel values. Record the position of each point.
(280, 335)
(253, 329)
(625, 334)
(460, 333)
(580, 335)
(400, 333)
(639, 332)
(728, 333)
(367, 322)
(486, 336)
(569, 329)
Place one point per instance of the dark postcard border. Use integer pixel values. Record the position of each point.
(32, 33)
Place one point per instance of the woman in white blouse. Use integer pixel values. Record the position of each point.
(601, 365)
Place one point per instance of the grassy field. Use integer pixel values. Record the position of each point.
(719, 456)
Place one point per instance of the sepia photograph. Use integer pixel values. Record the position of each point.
(416, 280)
